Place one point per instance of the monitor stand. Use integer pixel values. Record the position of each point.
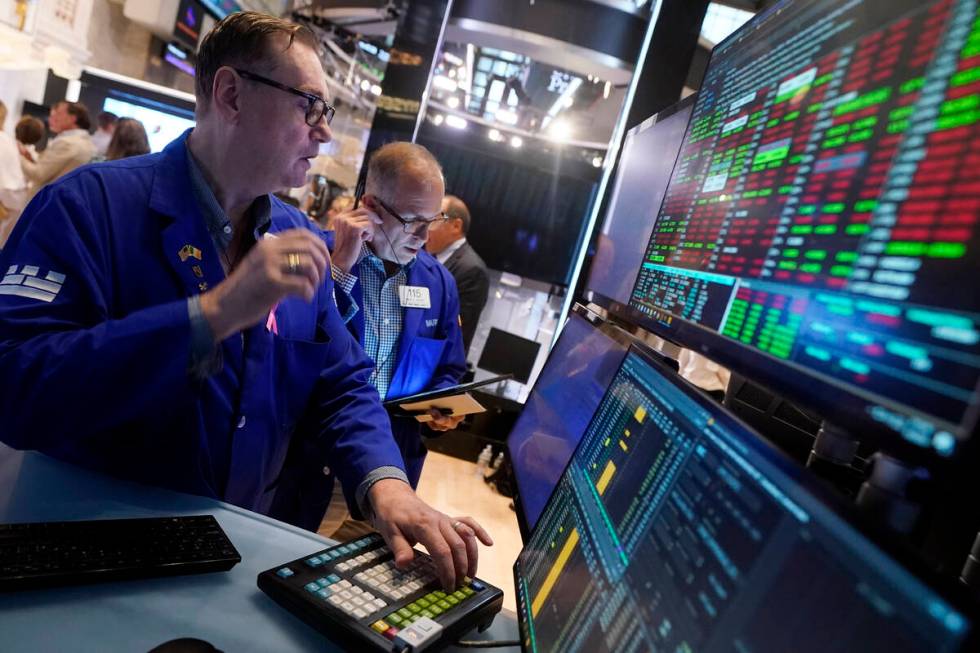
(834, 459)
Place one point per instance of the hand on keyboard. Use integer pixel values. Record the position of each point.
(405, 520)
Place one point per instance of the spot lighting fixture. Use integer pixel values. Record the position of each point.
(365, 85)
(456, 122)
(605, 90)
(506, 116)
(494, 135)
(452, 102)
(437, 119)
(560, 131)
(375, 89)
(568, 102)
(516, 141)
(597, 161)
(444, 83)
(451, 73)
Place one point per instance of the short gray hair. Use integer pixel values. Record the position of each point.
(456, 210)
(392, 161)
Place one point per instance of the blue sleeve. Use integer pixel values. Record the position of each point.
(70, 367)
(352, 423)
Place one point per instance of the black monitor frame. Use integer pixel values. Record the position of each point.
(848, 409)
(758, 447)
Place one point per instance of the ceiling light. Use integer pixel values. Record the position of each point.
(506, 116)
(456, 122)
(375, 89)
(444, 83)
(365, 85)
(451, 73)
(494, 135)
(560, 131)
(452, 102)
(437, 119)
(568, 102)
(605, 90)
(516, 141)
(597, 161)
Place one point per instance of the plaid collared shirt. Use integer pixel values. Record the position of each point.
(382, 312)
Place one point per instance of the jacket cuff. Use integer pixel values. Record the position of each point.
(373, 477)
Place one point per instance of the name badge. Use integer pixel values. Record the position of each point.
(414, 297)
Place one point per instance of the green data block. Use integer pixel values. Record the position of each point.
(963, 119)
(846, 257)
(901, 113)
(840, 270)
(906, 248)
(857, 229)
(801, 229)
(946, 250)
(865, 206)
(816, 254)
(825, 229)
(776, 154)
(791, 116)
(791, 253)
(812, 268)
(965, 77)
(877, 96)
(912, 85)
(837, 207)
(959, 104)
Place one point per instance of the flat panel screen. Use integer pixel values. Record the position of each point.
(674, 529)
(558, 409)
(649, 152)
(505, 353)
(826, 195)
(161, 126)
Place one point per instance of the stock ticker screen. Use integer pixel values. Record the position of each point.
(673, 530)
(824, 205)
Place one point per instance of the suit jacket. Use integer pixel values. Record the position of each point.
(66, 152)
(473, 284)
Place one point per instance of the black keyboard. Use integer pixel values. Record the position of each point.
(354, 594)
(48, 554)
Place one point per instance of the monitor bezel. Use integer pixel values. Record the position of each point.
(956, 594)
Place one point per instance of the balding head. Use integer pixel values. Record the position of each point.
(399, 161)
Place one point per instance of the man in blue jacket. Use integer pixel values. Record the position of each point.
(165, 319)
(399, 302)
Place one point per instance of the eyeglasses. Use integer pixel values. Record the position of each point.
(416, 226)
(315, 111)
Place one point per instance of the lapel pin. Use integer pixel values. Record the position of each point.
(188, 251)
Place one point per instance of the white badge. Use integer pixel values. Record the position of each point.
(414, 297)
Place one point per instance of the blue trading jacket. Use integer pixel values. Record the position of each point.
(95, 346)
(430, 350)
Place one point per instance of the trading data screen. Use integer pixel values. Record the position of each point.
(671, 530)
(824, 206)
(566, 394)
(649, 152)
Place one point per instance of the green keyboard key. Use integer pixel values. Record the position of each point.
(467, 590)
(404, 613)
(427, 613)
(394, 619)
(439, 594)
(444, 604)
(459, 595)
(423, 603)
(414, 607)
(435, 609)
(452, 600)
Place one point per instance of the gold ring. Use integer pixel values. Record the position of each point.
(457, 524)
(292, 263)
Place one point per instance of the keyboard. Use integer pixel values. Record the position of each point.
(353, 594)
(49, 554)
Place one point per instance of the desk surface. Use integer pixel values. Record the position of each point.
(226, 608)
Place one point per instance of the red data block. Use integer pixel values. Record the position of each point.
(884, 320)
(917, 219)
(952, 235)
(919, 192)
(836, 282)
(954, 219)
(910, 234)
(969, 188)
(873, 350)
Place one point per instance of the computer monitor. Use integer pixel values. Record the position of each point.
(505, 353)
(162, 123)
(820, 230)
(647, 159)
(674, 528)
(558, 409)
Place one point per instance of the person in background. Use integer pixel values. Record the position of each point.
(128, 139)
(447, 242)
(106, 126)
(338, 205)
(413, 338)
(13, 186)
(72, 146)
(29, 132)
(185, 318)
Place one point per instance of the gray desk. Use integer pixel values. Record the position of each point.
(226, 609)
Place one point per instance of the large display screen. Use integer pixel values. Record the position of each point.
(823, 212)
(558, 409)
(161, 126)
(674, 529)
(649, 152)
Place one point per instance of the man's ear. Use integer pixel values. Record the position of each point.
(226, 97)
